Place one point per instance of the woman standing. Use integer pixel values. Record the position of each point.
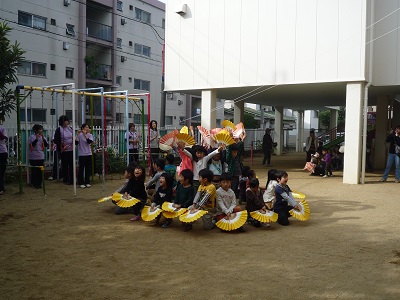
(37, 142)
(311, 145)
(84, 139)
(153, 139)
(63, 139)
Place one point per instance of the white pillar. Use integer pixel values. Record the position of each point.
(208, 113)
(238, 112)
(278, 131)
(353, 134)
(381, 131)
(333, 123)
(300, 130)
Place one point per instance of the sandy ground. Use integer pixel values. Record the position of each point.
(63, 246)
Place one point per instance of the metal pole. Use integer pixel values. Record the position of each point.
(28, 179)
(143, 137)
(19, 154)
(91, 125)
(73, 138)
(103, 137)
(148, 132)
(127, 129)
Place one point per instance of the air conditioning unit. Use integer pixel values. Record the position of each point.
(123, 58)
(123, 21)
(65, 45)
(180, 102)
(67, 2)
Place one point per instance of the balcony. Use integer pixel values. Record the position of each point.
(99, 31)
(98, 72)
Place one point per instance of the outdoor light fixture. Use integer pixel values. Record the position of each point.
(182, 11)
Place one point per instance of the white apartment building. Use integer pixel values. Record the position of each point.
(302, 55)
(113, 44)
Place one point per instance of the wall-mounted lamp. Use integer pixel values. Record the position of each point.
(182, 11)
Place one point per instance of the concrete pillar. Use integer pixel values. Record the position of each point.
(278, 131)
(238, 112)
(300, 131)
(381, 131)
(353, 134)
(208, 113)
(262, 125)
(333, 122)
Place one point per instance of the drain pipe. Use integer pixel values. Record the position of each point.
(365, 119)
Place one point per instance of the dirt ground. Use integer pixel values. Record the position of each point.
(72, 247)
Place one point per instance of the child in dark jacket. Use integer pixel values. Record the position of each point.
(255, 201)
(163, 194)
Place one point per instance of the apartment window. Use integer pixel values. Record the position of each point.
(137, 118)
(34, 114)
(129, 115)
(119, 43)
(69, 72)
(119, 117)
(316, 114)
(30, 20)
(118, 80)
(68, 113)
(181, 120)
(53, 22)
(32, 68)
(163, 23)
(130, 44)
(142, 50)
(130, 79)
(53, 67)
(130, 7)
(139, 84)
(70, 29)
(120, 5)
(142, 15)
(169, 120)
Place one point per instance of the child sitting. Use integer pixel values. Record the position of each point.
(204, 199)
(226, 199)
(327, 159)
(158, 166)
(284, 198)
(234, 165)
(184, 193)
(255, 201)
(250, 175)
(215, 165)
(163, 194)
(269, 194)
(311, 165)
(242, 184)
(170, 168)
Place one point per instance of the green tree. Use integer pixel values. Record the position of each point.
(325, 118)
(10, 58)
(250, 122)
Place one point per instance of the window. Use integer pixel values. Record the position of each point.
(53, 67)
(181, 120)
(119, 117)
(53, 22)
(118, 80)
(169, 120)
(130, 7)
(119, 43)
(142, 50)
(130, 43)
(142, 15)
(163, 23)
(32, 68)
(69, 72)
(34, 114)
(137, 118)
(70, 29)
(139, 84)
(68, 113)
(198, 111)
(129, 115)
(30, 20)
(316, 114)
(120, 5)
(130, 79)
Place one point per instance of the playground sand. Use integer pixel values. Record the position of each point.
(63, 246)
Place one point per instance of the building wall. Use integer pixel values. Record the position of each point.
(221, 43)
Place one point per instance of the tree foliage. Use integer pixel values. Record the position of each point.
(325, 117)
(10, 58)
(250, 122)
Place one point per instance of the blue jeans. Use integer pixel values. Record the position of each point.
(392, 158)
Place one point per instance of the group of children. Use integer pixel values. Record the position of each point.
(323, 162)
(204, 184)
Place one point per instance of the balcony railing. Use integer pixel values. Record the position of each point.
(99, 31)
(100, 72)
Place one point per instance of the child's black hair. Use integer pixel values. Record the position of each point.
(254, 183)
(206, 174)
(84, 125)
(143, 176)
(168, 179)
(271, 176)
(245, 169)
(225, 176)
(279, 174)
(187, 175)
(234, 147)
(170, 159)
(37, 127)
(130, 170)
(160, 162)
(250, 173)
(62, 119)
(200, 148)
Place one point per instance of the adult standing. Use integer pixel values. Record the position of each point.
(37, 143)
(393, 139)
(63, 139)
(311, 145)
(134, 140)
(3, 154)
(267, 145)
(153, 142)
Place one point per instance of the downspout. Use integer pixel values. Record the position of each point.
(364, 144)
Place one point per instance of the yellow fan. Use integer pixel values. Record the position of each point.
(121, 201)
(174, 214)
(268, 216)
(104, 199)
(229, 125)
(303, 214)
(190, 217)
(168, 206)
(185, 138)
(148, 215)
(222, 138)
(184, 130)
(232, 224)
(298, 195)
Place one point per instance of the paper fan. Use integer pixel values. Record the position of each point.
(168, 139)
(174, 214)
(185, 138)
(222, 138)
(121, 201)
(215, 131)
(148, 215)
(229, 125)
(233, 224)
(204, 132)
(184, 129)
(104, 199)
(268, 216)
(190, 217)
(165, 147)
(298, 195)
(303, 214)
(168, 206)
(239, 130)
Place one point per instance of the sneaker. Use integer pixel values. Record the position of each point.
(51, 178)
(135, 218)
(397, 181)
(88, 185)
(265, 225)
(1, 192)
(325, 176)
(383, 179)
(166, 224)
(82, 186)
(188, 227)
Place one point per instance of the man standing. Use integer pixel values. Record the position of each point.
(393, 157)
(267, 147)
